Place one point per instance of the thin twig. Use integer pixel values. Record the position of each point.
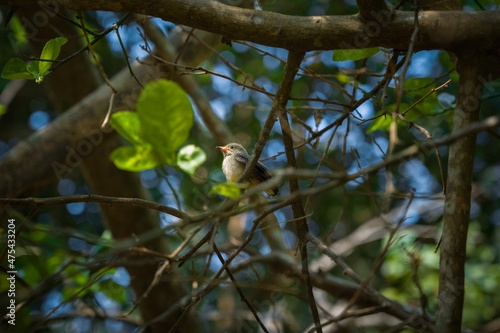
(379, 259)
(227, 63)
(67, 19)
(115, 26)
(101, 69)
(95, 40)
(426, 95)
(415, 264)
(205, 239)
(18, 231)
(242, 296)
(156, 279)
(279, 107)
(210, 286)
(323, 156)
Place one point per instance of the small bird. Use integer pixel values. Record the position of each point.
(236, 159)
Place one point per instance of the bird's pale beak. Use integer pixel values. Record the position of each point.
(222, 148)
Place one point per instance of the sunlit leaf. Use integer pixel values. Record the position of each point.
(354, 54)
(344, 79)
(381, 123)
(229, 189)
(50, 52)
(39, 69)
(2, 109)
(15, 69)
(136, 158)
(105, 242)
(34, 70)
(166, 116)
(128, 125)
(190, 157)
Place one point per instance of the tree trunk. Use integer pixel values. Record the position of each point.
(458, 197)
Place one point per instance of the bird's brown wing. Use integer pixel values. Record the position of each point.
(260, 170)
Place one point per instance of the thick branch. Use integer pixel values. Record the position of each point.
(102, 199)
(458, 197)
(438, 30)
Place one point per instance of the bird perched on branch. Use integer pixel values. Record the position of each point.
(236, 159)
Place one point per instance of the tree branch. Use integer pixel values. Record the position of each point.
(439, 30)
(114, 201)
(279, 107)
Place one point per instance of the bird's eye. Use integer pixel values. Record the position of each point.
(232, 147)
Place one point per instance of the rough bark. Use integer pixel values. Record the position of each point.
(458, 196)
(438, 30)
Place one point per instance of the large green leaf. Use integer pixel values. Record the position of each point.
(15, 69)
(136, 158)
(354, 54)
(166, 116)
(128, 125)
(190, 157)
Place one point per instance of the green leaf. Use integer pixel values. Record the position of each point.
(166, 116)
(69, 291)
(113, 290)
(39, 69)
(50, 52)
(34, 69)
(15, 69)
(128, 125)
(382, 123)
(137, 158)
(2, 109)
(354, 54)
(55, 260)
(418, 88)
(19, 30)
(190, 157)
(75, 283)
(229, 189)
(344, 79)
